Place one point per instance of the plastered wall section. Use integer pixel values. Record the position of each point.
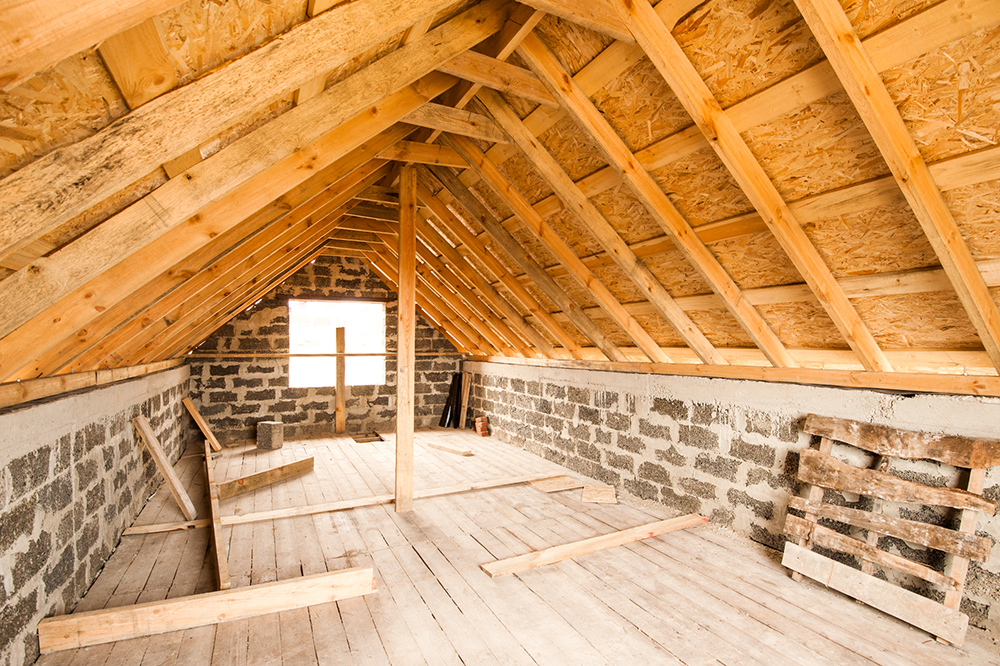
(73, 476)
(235, 394)
(729, 450)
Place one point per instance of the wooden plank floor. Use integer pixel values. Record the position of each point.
(698, 597)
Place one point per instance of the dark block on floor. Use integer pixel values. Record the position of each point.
(270, 435)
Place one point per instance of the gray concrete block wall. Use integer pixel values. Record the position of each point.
(729, 450)
(72, 477)
(234, 394)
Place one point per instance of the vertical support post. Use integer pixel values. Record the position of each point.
(405, 352)
(341, 410)
(815, 495)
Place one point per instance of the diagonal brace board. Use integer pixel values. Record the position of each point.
(77, 630)
(593, 544)
(202, 424)
(145, 431)
(251, 482)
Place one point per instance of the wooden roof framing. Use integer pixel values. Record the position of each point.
(594, 186)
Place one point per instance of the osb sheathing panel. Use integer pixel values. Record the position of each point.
(721, 329)
(571, 229)
(821, 147)
(662, 332)
(878, 240)
(573, 148)
(871, 16)
(676, 274)
(701, 188)
(488, 196)
(576, 291)
(641, 107)
(976, 208)
(535, 248)
(802, 324)
(574, 45)
(62, 105)
(626, 214)
(755, 260)
(618, 283)
(525, 179)
(202, 34)
(930, 91)
(933, 320)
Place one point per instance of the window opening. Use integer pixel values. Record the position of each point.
(312, 329)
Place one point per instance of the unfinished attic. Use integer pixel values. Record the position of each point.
(475, 332)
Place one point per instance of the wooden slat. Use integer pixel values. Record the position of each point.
(551, 240)
(46, 193)
(649, 193)
(827, 538)
(220, 557)
(557, 484)
(139, 63)
(599, 16)
(174, 484)
(826, 471)
(932, 536)
(509, 245)
(422, 153)
(566, 551)
(684, 80)
(340, 415)
(251, 482)
(896, 601)
(456, 121)
(466, 388)
(499, 75)
(958, 568)
(885, 440)
(815, 495)
(15, 393)
(859, 76)
(202, 424)
(36, 34)
(67, 632)
(405, 348)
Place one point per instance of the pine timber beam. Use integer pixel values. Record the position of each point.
(517, 290)
(36, 34)
(456, 121)
(939, 25)
(553, 242)
(864, 86)
(379, 266)
(458, 263)
(15, 393)
(191, 245)
(499, 46)
(46, 193)
(423, 153)
(649, 193)
(499, 75)
(692, 92)
(542, 280)
(222, 577)
(139, 63)
(594, 14)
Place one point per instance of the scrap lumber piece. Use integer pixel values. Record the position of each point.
(970, 452)
(246, 484)
(340, 411)
(598, 495)
(823, 470)
(218, 542)
(593, 544)
(450, 449)
(163, 464)
(67, 632)
(157, 528)
(558, 483)
(466, 386)
(896, 601)
(202, 424)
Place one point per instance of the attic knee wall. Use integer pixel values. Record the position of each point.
(727, 449)
(72, 478)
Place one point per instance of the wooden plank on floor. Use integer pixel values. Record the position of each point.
(449, 449)
(557, 484)
(896, 601)
(246, 484)
(598, 495)
(104, 626)
(566, 551)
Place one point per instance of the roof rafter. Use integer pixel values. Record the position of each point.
(704, 109)
(499, 75)
(576, 102)
(844, 51)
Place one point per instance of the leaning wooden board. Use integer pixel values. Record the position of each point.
(66, 632)
(202, 424)
(163, 464)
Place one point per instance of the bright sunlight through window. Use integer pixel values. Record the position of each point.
(313, 330)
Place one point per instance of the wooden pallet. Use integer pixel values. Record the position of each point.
(821, 470)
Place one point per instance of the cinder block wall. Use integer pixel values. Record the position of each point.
(72, 477)
(728, 449)
(234, 394)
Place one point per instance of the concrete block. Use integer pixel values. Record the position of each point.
(270, 435)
